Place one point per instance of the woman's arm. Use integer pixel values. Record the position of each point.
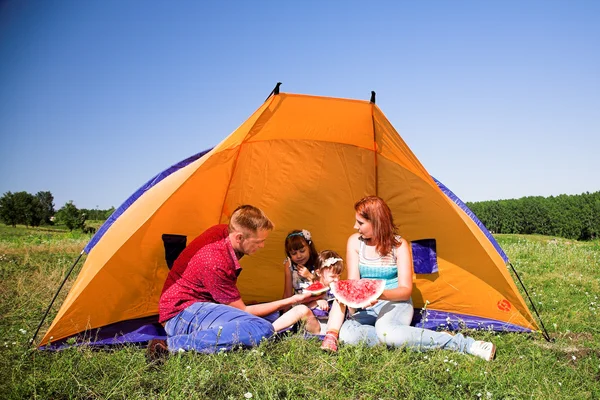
(405, 275)
(352, 256)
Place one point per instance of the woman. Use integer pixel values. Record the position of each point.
(376, 251)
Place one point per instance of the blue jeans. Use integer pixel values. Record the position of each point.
(388, 322)
(210, 327)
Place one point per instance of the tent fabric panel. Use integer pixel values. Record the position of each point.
(422, 211)
(453, 290)
(131, 262)
(312, 118)
(470, 213)
(317, 195)
(391, 146)
(513, 295)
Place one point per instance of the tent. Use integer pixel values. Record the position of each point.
(304, 160)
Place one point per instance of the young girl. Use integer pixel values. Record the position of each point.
(329, 266)
(300, 262)
(376, 251)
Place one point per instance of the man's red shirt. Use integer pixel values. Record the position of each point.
(205, 271)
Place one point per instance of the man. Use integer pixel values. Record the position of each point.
(200, 306)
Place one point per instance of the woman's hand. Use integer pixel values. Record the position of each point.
(323, 305)
(372, 303)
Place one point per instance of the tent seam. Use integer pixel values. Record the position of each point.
(235, 163)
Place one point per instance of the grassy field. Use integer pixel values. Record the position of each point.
(563, 277)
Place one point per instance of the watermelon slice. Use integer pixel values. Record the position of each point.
(357, 293)
(316, 288)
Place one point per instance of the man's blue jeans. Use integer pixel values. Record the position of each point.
(210, 327)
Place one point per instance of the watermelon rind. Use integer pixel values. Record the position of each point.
(319, 288)
(357, 293)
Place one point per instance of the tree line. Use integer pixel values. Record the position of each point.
(38, 209)
(569, 216)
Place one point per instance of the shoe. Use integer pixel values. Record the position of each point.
(485, 350)
(157, 350)
(330, 343)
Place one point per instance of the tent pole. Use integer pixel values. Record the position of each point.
(274, 91)
(372, 101)
(545, 332)
(32, 340)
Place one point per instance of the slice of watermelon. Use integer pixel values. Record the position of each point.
(357, 293)
(316, 288)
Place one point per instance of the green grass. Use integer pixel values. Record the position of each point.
(563, 278)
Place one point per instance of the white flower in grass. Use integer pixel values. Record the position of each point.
(181, 350)
(488, 395)
(478, 394)
(447, 369)
(23, 331)
(248, 395)
(559, 383)
(574, 358)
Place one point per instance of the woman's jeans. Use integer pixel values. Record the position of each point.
(389, 322)
(210, 327)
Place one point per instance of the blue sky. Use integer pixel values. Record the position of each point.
(498, 99)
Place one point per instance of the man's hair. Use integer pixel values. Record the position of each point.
(249, 219)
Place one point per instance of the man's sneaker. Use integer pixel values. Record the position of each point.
(329, 343)
(157, 350)
(485, 350)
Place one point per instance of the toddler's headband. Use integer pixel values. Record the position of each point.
(330, 261)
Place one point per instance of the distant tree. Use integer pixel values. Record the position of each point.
(97, 214)
(568, 216)
(71, 216)
(27, 208)
(8, 210)
(46, 206)
(108, 213)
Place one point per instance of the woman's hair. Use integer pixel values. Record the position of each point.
(297, 239)
(249, 219)
(329, 259)
(385, 233)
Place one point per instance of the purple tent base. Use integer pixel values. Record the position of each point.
(140, 331)
(441, 320)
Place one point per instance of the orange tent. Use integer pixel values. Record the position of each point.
(304, 160)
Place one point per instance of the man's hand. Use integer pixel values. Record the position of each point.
(302, 298)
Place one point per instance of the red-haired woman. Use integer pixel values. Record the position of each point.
(376, 251)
